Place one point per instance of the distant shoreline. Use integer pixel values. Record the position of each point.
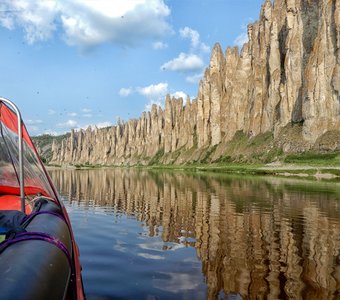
(322, 172)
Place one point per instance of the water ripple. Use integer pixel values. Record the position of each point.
(169, 235)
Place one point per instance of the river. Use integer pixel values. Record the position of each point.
(175, 235)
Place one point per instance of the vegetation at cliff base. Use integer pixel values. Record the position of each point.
(314, 158)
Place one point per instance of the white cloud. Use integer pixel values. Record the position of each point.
(205, 48)
(124, 92)
(154, 91)
(194, 36)
(241, 40)
(37, 18)
(72, 114)
(87, 23)
(98, 125)
(68, 124)
(159, 45)
(51, 112)
(51, 132)
(33, 122)
(184, 63)
(32, 128)
(32, 125)
(194, 78)
(86, 110)
(192, 61)
(180, 94)
(104, 124)
(148, 106)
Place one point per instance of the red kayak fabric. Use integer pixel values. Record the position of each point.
(12, 202)
(9, 118)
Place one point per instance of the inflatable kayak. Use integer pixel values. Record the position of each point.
(39, 258)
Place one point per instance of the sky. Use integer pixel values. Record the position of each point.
(78, 63)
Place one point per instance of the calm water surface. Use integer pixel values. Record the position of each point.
(171, 235)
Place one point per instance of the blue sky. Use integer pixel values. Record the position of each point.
(73, 63)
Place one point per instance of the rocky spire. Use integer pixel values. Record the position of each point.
(288, 72)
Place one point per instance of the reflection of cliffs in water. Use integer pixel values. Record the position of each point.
(256, 237)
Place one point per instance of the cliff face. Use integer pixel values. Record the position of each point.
(288, 73)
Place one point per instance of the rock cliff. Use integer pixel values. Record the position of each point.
(285, 80)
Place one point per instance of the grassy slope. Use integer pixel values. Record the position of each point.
(324, 171)
(260, 155)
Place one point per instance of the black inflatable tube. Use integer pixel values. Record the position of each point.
(36, 269)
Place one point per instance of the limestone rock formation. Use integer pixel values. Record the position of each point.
(287, 73)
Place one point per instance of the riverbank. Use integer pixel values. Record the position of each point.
(319, 170)
(274, 169)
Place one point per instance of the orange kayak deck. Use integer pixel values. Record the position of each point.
(12, 202)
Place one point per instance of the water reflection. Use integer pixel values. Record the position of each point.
(258, 238)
